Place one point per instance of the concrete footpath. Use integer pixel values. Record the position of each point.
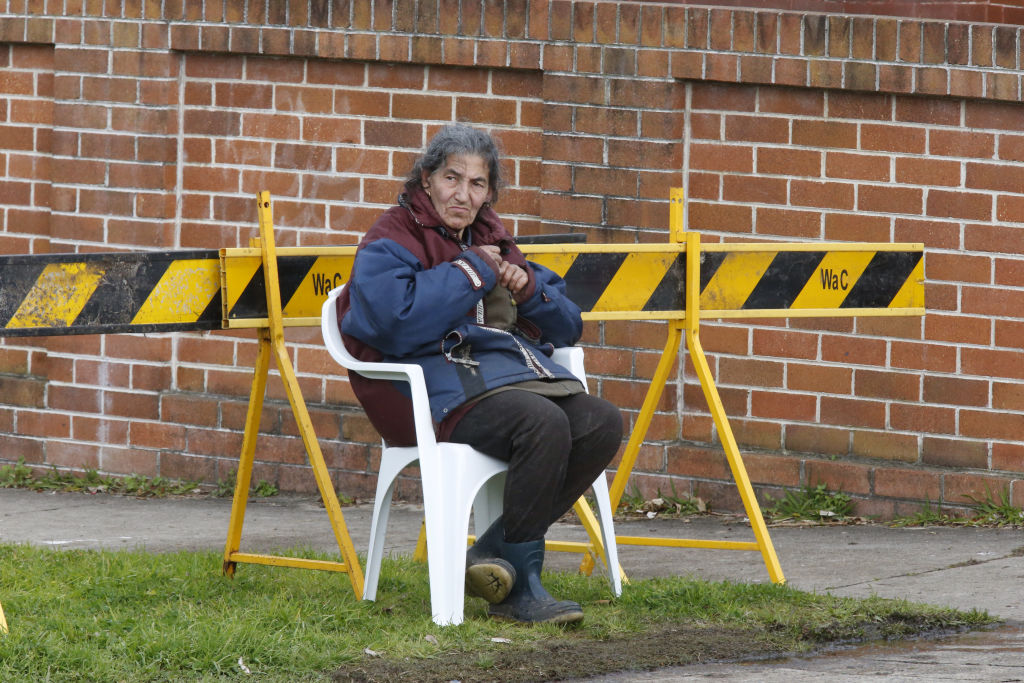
(960, 567)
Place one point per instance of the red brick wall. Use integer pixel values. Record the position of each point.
(152, 126)
(993, 11)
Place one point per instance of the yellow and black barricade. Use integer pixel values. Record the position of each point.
(269, 288)
(53, 294)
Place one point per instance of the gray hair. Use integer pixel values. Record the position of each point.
(459, 138)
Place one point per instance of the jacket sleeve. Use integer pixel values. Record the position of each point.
(403, 309)
(550, 310)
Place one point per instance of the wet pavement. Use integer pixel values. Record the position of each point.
(966, 568)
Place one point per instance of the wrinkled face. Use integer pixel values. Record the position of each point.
(458, 188)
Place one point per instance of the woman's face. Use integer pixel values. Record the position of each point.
(458, 188)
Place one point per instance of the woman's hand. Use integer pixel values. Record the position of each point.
(512, 277)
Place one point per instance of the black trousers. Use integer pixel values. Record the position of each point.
(555, 448)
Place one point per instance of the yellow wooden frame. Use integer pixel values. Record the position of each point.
(271, 341)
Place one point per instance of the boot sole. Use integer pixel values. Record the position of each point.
(491, 580)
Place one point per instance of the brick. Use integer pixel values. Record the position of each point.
(963, 488)
(723, 97)
(890, 199)
(885, 445)
(816, 439)
(819, 378)
(893, 138)
(65, 454)
(756, 129)
(789, 161)
(996, 239)
(849, 478)
(742, 188)
(822, 194)
(1008, 457)
(814, 31)
(697, 462)
(857, 227)
(972, 84)
(999, 177)
(958, 204)
(913, 417)
(1008, 333)
(896, 79)
(920, 171)
(1011, 147)
(993, 115)
(750, 372)
(887, 384)
(1006, 47)
(715, 157)
(719, 217)
(784, 406)
(991, 301)
(830, 134)
(980, 424)
(930, 111)
(909, 484)
(862, 38)
(934, 234)
(758, 434)
(697, 21)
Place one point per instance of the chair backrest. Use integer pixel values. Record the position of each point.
(403, 372)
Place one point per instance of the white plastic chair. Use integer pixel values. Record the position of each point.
(456, 478)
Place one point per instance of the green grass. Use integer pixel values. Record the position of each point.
(79, 615)
(809, 503)
(989, 510)
(21, 475)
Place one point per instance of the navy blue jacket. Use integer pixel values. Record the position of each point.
(416, 295)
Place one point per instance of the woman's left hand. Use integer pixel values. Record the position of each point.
(512, 277)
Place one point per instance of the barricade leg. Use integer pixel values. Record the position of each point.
(243, 478)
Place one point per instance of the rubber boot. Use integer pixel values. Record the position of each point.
(488, 576)
(528, 601)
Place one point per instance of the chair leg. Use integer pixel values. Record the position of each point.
(611, 549)
(488, 504)
(447, 502)
(392, 462)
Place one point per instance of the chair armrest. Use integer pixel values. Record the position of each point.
(571, 358)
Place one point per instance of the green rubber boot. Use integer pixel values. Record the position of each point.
(488, 576)
(528, 602)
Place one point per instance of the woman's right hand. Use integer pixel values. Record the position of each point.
(492, 252)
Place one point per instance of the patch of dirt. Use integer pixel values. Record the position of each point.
(568, 657)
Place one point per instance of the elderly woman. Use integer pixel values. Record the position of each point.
(439, 282)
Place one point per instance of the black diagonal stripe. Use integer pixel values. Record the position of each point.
(291, 271)
(252, 303)
(882, 279)
(670, 294)
(710, 262)
(588, 277)
(16, 281)
(784, 279)
(127, 280)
